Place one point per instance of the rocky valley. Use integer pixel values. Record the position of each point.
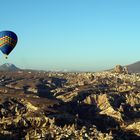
(69, 106)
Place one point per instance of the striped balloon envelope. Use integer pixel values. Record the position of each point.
(8, 41)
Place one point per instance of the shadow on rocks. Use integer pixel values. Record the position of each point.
(122, 135)
(116, 100)
(45, 91)
(129, 114)
(59, 82)
(84, 114)
(8, 137)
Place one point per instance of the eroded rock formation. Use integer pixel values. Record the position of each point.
(41, 105)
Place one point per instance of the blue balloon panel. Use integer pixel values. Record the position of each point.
(8, 41)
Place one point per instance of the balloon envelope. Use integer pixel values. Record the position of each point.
(8, 41)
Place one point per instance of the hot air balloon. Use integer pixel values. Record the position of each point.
(8, 41)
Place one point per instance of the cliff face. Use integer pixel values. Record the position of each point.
(39, 105)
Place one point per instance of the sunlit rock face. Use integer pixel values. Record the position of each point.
(118, 69)
(51, 105)
(121, 70)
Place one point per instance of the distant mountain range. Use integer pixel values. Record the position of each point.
(8, 67)
(135, 67)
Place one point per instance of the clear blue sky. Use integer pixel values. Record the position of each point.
(72, 34)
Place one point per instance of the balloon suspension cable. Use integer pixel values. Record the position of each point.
(6, 57)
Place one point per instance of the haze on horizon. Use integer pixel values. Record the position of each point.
(73, 34)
